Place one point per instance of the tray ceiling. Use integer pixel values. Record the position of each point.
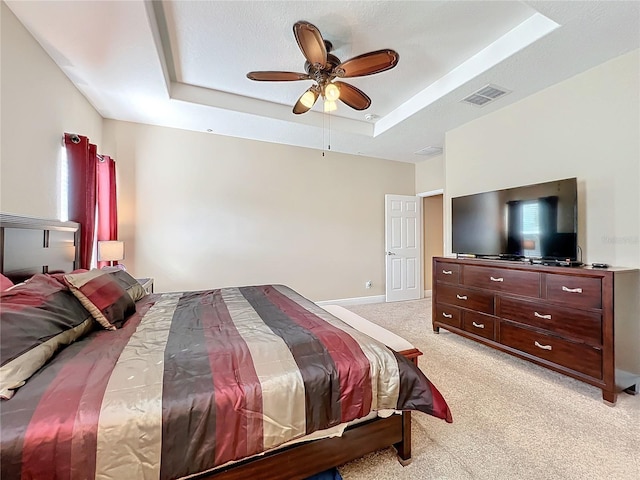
(183, 64)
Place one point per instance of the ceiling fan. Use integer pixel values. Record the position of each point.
(324, 68)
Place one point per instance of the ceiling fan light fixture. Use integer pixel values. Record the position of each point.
(331, 92)
(330, 106)
(308, 99)
(324, 68)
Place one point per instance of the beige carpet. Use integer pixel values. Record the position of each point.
(511, 419)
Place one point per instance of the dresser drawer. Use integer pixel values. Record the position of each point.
(576, 356)
(571, 290)
(479, 324)
(576, 324)
(449, 315)
(447, 272)
(465, 297)
(502, 280)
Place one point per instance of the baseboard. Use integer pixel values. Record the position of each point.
(362, 300)
(353, 301)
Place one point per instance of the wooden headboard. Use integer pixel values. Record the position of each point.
(31, 245)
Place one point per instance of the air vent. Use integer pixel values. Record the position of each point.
(485, 95)
(429, 151)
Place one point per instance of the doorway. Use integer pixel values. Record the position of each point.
(433, 234)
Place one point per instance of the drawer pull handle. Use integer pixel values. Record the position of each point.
(571, 290)
(544, 347)
(499, 279)
(447, 272)
(539, 315)
(478, 325)
(447, 315)
(461, 297)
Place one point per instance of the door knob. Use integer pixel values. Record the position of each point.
(390, 253)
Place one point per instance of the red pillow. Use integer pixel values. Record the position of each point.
(102, 295)
(5, 283)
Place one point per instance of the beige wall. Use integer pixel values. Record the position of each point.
(430, 174)
(39, 104)
(200, 210)
(586, 127)
(430, 178)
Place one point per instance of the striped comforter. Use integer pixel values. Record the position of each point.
(196, 379)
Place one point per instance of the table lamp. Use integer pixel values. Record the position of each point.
(110, 251)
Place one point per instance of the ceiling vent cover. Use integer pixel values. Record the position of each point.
(429, 151)
(485, 95)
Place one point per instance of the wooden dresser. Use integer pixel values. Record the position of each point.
(559, 317)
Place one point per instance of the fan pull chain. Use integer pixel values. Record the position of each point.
(329, 143)
(326, 131)
(323, 131)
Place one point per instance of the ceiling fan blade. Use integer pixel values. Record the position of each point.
(352, 96)
(276, 76)
(306, 101)
(311, 43)
(368, 63)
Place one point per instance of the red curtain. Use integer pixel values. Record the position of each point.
(81, 157)
(92, 187)
(107, 208)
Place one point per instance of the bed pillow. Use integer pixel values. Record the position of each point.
(60, 276)
(102, 295)
(126, 281)
(37, 318)
(5, 283)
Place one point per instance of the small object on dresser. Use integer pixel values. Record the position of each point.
(600, 265)
(147, 284)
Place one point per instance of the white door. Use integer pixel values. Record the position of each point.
(403, 247)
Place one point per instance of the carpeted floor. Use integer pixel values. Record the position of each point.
(511, 419)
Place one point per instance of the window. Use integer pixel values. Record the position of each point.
(63, 213)
(531, 228)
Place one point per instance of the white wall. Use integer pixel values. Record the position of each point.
(430, 174)
(39, 104)
(199, 210)
(586, 127)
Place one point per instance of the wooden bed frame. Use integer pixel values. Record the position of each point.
(31, 245)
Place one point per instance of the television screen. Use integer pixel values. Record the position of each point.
(533, 221)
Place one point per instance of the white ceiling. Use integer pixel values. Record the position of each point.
(183, 64)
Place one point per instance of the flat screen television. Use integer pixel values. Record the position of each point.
(537, 221)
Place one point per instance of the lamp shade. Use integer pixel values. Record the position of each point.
(330, 106)
(332, 92)
(309, 98)
(110, 250)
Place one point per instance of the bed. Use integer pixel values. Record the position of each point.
(137, 401)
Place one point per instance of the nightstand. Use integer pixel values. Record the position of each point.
(147, 284)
